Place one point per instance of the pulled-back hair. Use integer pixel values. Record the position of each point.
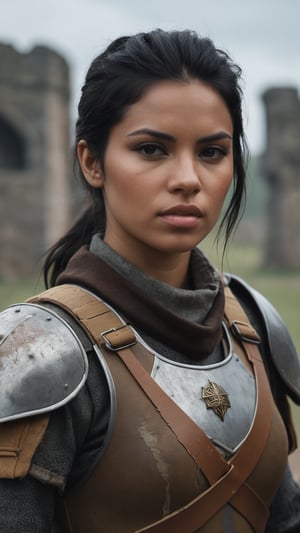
(118, 78)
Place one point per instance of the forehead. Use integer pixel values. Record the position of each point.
(173, 103)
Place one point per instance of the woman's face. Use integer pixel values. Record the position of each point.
(167, 168)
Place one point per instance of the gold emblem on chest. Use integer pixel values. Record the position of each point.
(216, 398)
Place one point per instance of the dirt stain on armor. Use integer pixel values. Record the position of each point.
(151, 442)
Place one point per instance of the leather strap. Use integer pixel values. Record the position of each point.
(19, 440)
(227, 479)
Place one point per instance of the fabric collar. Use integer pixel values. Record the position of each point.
(192, 304)
(148, 313)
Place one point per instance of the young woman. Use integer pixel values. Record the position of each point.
(144, 391)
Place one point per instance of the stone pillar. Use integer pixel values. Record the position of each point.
(281, 163)
(34, 156)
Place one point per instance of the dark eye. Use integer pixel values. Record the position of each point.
(213, 153)
(150, 149)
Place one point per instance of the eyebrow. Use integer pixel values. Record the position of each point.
(166, 137)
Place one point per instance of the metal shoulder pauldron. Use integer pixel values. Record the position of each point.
(280, 344)
(42, 362)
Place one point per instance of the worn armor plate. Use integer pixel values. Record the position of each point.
(281, 346)
(42, 362)
(220, 398)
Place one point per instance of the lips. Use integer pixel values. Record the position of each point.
(181, 217)
(183, 211)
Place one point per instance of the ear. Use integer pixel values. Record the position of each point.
(90, 166)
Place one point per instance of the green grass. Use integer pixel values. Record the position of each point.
(18, 291)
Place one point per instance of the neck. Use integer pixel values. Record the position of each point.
(170, 268)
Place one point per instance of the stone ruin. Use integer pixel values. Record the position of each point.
(281, 169)
(34, 156)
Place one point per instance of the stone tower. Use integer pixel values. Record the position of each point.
(282, 173)
(34, 156)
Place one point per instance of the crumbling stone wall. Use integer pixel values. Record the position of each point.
(34, 156)
(282, 173)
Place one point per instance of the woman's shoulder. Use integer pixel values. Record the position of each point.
(43, 362)
(53, 395)
(277, 345)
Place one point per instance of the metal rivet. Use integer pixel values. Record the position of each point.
(66, 386)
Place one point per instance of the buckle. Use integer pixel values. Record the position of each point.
(118, 338)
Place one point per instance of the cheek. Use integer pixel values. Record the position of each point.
(222, 188)
(115, 181)
(218, 196)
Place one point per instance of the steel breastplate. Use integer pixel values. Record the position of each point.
(220, 398)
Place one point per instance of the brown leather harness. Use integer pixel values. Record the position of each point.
(227, 478)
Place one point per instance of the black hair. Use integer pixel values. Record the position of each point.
(119, 77)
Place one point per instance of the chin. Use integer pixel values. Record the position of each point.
(179, 248)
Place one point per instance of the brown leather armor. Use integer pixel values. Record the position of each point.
(160, 473)
(146, 473)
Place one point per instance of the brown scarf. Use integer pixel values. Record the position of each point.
(146, 314)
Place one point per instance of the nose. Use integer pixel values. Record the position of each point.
(183, 176)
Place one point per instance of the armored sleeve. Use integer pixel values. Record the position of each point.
(285, 507)
(277, 349)
(26, 506)
(282, 365)
(70, 433)
(70, 447)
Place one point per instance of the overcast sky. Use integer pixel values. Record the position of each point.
(263, 36)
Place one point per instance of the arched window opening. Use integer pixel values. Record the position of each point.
(12, 147)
